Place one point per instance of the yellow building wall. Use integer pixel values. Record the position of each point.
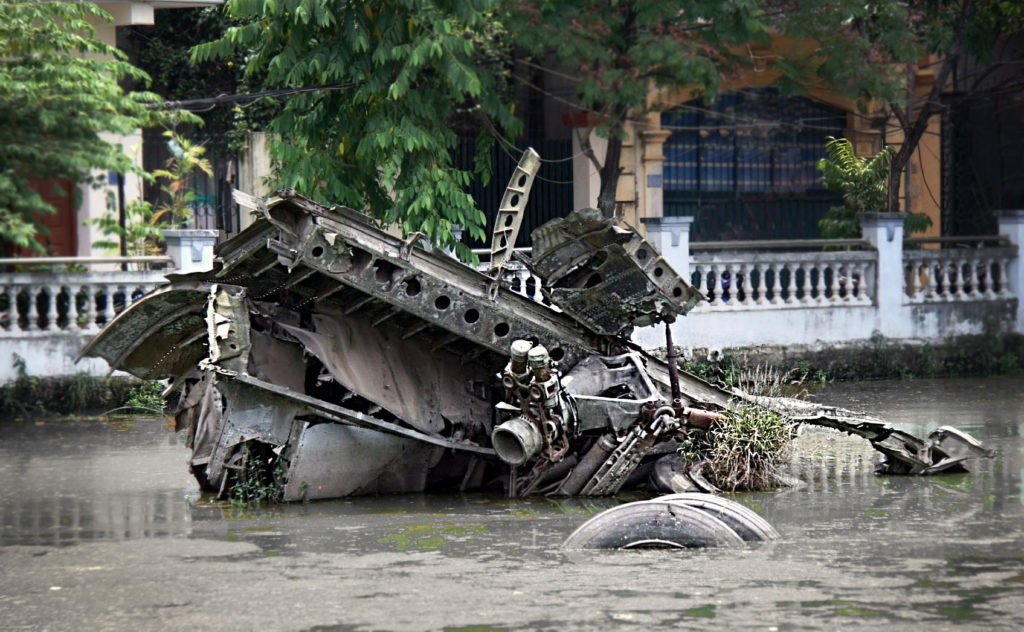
(644, 156)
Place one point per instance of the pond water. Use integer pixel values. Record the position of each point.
(101, 526)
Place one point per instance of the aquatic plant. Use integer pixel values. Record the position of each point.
(256, 482)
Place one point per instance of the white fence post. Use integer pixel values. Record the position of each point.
(885, 232)
(1011, 224)
(191, 249)
(671, 236)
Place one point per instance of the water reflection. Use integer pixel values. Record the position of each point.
(70, 481)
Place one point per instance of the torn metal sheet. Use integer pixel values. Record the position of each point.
(336, 359)
(608, 277)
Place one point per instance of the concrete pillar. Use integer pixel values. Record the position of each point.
(651, 179)
(1011, 225)
(254, 169)
(885, 232)
(671, 236)
(191, 250)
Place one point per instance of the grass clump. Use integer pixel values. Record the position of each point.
(744, 450)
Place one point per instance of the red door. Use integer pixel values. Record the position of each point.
(61, 240)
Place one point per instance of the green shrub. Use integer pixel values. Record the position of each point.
(148, 395)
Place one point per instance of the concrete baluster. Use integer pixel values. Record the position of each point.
(51, 307)
(32, 317)
(1007, 288)
(791, 284)
(108, 307)
(744, 283)
(944, 269)
(714, 285)
(990, 278)
(776, 283)
(863, 281)
(819, 284)
(90, 307)
(73, 314)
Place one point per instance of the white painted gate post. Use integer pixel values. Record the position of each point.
(885, 232)
(1011, 225)
(671, 236)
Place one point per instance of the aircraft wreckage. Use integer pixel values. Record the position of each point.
(344, 360)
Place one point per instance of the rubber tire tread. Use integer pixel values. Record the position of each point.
(746, 522)
(673, 525)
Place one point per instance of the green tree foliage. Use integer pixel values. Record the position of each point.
(163, 51)
(409, 74)
(862, 183)
(60, 89)
(618, 50)
(860, 180)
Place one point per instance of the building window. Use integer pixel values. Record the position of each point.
(745, 166)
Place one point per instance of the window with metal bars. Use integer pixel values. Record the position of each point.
(745, 166)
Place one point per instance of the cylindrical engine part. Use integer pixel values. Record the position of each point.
(588, 466)
(519, 350)
(517, 440)
(700, 418)
(540, 363)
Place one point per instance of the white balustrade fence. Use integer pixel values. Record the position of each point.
(810, 292)
(957, 274)
(781, 293)
(48, 302)
(779, 280)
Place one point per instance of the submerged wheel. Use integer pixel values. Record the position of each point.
(746, 522)
(652, 524)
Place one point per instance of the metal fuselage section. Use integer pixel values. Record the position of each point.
(339, 359)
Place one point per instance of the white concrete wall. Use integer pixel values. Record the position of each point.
(49, 354)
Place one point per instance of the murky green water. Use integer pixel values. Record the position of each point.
(101, 527)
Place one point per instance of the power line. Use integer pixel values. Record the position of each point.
(208, 103)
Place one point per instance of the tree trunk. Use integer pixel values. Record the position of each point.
(609, 173)
(912, 134)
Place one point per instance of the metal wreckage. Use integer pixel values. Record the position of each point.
(344, 360)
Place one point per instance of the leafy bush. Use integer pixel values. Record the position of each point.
(863, 185)
(148, 395)
(256, 482)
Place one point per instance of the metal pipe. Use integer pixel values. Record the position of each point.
(673, 361)
(517, 440)
(588, 466)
